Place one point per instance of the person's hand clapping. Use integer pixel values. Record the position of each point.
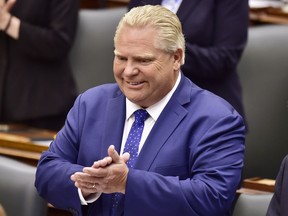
(107, 175)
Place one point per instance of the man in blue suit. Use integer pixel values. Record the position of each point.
(190, 156)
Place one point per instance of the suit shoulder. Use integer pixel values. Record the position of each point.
(105, 90)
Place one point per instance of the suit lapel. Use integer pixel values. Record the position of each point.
(114, 124)
(186, 8)
(113, 131)
(167, 122)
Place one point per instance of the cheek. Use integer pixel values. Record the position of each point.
(116, 69)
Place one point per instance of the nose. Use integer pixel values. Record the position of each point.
(130, 68)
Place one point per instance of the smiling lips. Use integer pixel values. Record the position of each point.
(135, 83)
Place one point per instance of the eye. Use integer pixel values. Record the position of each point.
(144, 60)
(121, 58)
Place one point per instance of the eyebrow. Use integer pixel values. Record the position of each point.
(143, 56)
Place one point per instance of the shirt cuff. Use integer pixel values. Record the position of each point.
(92, 198)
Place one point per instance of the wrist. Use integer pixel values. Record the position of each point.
(8, 24)
(14, 28)
(4, 19)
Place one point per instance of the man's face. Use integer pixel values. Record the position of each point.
(144, 73)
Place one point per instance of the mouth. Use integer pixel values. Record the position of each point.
(135, 83)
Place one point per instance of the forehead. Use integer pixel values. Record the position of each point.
(136, 37)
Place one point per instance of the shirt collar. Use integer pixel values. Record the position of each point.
(156, 109)
(172, 5)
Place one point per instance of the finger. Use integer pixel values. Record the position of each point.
(88, 187)
(96, 173)
(91, 186)
(73, 178)
(83, 178)
(113, 154)
(125, 157)
(102, 163)
(76, 176)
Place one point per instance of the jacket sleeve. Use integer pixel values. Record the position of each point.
(56, 166)
(53, 36)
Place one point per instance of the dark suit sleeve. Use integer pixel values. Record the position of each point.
(278, 203)
(214, 57)
(51, 36)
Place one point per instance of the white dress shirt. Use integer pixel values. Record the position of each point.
(172, 5)
(154, 112)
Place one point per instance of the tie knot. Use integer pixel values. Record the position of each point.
(141, 115)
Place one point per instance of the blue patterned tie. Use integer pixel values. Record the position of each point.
(131, 146)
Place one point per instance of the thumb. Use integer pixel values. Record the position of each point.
(125, 157)
(113, 154)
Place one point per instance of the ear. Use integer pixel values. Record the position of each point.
(178, 58)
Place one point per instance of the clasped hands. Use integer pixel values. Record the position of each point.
(5, 15)
(108, 175)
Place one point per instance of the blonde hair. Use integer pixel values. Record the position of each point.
(170, 36)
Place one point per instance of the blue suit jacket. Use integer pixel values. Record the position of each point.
(216, 34)
(190, 164)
